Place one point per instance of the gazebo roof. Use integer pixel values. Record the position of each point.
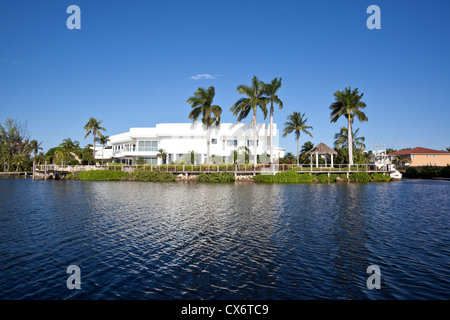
(321, 148)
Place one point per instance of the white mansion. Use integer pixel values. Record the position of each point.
(181, 139)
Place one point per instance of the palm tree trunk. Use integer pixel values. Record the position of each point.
(271, 132)
(255, 159)
(94, 147)
(350, 142)
(208, 142)
(298, 163)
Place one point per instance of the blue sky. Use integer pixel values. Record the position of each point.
(134, 64)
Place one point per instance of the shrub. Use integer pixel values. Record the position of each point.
(289, 176)
(222, 177)
(377, 177)
(333, 177)
(360, 177)
(102, 175)
(323, 178)
(154, 176)
(73, 176)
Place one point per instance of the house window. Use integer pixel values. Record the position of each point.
(152, 161)
(213, 141)
(434, 156)
(251, 143)
(232, 143)
(147, 145)
(412, 156)
(428, 155)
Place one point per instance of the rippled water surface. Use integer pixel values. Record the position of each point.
(136, 240)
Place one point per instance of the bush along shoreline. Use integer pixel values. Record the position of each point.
(427, 172)
(294, 177)
(225, 177)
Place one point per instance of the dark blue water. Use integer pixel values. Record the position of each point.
(136, 240)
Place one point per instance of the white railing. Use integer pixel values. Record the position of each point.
(188, 168)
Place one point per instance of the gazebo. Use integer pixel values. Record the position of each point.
(321, 150)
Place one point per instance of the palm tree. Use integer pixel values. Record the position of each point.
(341, 139)
(348, 103)
(254, 99)
(296, 123)
(202, 104)
(93, 126)
(103, 140)
(35, 147)
(162, 154)
(270, 91)
(308, 145)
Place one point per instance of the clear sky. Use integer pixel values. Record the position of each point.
(135, 63)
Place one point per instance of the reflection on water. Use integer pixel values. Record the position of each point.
(235, 241)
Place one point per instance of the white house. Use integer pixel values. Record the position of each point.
(179, 139)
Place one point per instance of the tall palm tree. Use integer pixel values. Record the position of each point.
(103, 140)
(254, 99)
(270, 91)
(202, 104)
(93, 127)
(348, 104)
(35, 147)
(341, 139)
(296, 123)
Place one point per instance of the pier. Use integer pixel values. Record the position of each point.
(52, 171)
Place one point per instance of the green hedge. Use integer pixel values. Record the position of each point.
(222, 177)
(102, 175)
(427, 172)
(286, 177)
(154, 176)
(379, 177)
(360, 177)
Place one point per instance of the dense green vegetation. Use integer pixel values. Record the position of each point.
(222, 177)
(103, 175)
(379, 177)
(286, 177)
(360, 177)
(427, 172)
(154, 176)
(294, 177)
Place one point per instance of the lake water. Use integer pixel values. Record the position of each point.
(182, 240)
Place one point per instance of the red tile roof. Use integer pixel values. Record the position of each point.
(418, 150)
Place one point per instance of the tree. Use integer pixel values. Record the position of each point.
(270, 90)
(254, 99)
(296, 123)
(162, 154)
(103, 140)
(341, 139)
(308, 145)
(15, 148)
(202, 104)
(448, 149)
(348, 104)
(93, 127)
(35, 146)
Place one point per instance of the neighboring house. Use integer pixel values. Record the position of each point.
(420, 157)
(179, 139)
